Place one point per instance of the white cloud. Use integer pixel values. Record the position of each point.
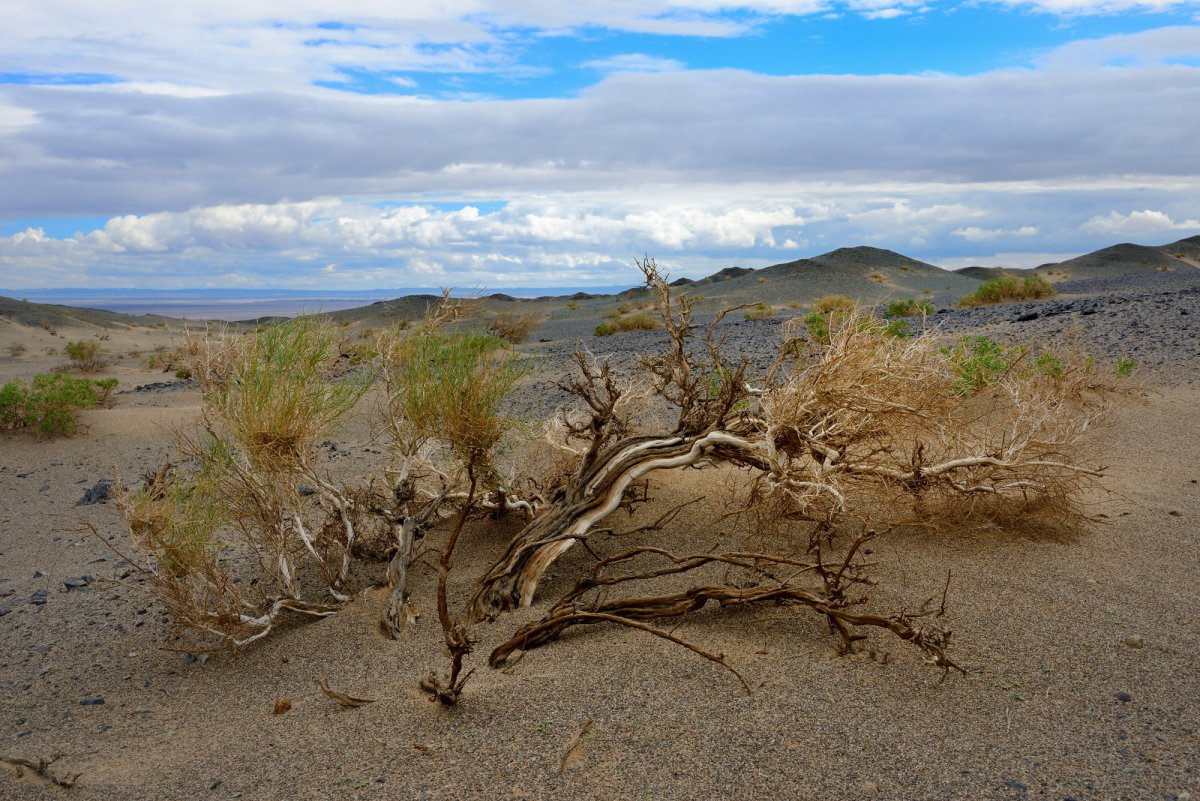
(1178, 43)
(1089, 7)
(634, 62)
(976, 234)
(1137, 223)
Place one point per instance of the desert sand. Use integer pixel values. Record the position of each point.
(1082, 651)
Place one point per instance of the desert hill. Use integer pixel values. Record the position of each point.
(1125, 258)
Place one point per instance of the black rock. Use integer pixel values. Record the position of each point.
(306, 490)
(77, 582)
(91, 700)
(1027, 316)
(100, 492)
(38, 598)
(1124, 697)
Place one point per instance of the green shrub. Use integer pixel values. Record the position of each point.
(909, 307)
(978, 361)
(634, 322)
(1008, 289)
(85, 355)
(1125, 366)
(1050, 364)
(51, 403)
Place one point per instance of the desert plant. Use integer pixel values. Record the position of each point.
(513, 328)
(51, 402)
(85, 355)
(634, 322)
(909, 307)
(841, 440)
(759, 311)
(877, 277)
(16, 349)
(1125, 366)
(828, 304)
(1008, 289)
(573, 305)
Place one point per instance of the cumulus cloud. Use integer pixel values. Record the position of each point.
(1137, 223)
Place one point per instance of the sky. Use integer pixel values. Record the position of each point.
(518, 143)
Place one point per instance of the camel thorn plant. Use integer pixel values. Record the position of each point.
(844, 437)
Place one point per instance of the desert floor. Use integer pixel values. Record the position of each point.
(1058, 703)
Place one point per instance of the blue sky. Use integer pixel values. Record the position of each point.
(528, 144)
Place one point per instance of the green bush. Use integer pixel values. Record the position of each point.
(1008, 289)
(634, 322)
(51, 403)
(978, 362)
(909, 307)
(1125, 366)
(85, 355)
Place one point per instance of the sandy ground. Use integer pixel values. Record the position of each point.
(1057, 705)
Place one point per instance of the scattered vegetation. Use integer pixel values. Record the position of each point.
(1125, 366)
(877, 277)
(17, 349)
(909, 307)
(51, 402)
(633, 322)
(85, 355)
(1008, 289)
(842, 439)
(573, 305)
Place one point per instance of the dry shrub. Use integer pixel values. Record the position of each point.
(633, 322)
(512, 327)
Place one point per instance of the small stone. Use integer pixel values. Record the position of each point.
(1175, 513)
(1183, 795)
(1124, 697)
(1027, 316)
(77, 582)
(870, 788)
(38, 598)
(216, 783)
(1134, 641)
(91, 700)
(100, 492)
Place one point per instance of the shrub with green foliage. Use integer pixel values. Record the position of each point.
(85, 355)
(634, 322)
(909, 307)
(1125, 366)
(51, 403)
(978, 361)
(1008, 289)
